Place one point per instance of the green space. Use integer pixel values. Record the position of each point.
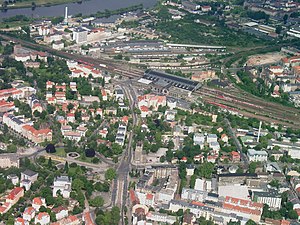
(188, 32)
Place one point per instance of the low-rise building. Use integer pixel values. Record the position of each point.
(257, 156)
(62, 184)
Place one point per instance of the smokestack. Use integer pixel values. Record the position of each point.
(66, 14)
(258, 136)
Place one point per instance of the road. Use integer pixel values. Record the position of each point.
(120, 184)
(237, 143)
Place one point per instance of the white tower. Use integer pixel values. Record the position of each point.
(66, 15)
(259, 130)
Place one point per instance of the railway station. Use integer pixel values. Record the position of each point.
(165, 83)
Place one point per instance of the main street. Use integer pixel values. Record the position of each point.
(120, 184)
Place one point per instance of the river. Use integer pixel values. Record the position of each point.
(86, 8)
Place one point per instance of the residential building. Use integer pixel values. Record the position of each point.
(29, 213)
(9, 160)
(37, 202)
(14, 196)
(62, 184)
(272, 198)
(42, 218)
(28, 177)
(60, 212)
(257, 156)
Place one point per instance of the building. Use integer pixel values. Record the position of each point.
(37, 202)
(14, 196)
(161, 218)
(60, 212)
(80, 35)
(244, 208)
(29, 213)
(11, 92)
(9, 160)
(21, 221)
(257, 156)
(272, 198)
(42, 218)
(161, 82)
(62, 184)
(28, 177)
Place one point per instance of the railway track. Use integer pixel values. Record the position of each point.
(252, 101)
(270, 112)
(120, 68)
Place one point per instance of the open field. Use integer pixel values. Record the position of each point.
(263, 59)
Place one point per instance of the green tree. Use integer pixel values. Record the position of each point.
(110, 174)
(97, 201)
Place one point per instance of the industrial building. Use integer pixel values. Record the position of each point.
(169, 84)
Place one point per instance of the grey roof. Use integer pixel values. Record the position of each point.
(29, 173)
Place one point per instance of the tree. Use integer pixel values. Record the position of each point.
(252, 167)
(50, 109)
(292, 214)
(90, 152)
(110, 174)
(97, 201)
(66, 168)
(250, 222)
(50, 162)
(77, 184)
(70, 106)
(50, 148)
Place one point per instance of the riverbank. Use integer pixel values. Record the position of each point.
(37, 3)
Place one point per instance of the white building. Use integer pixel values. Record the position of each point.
(62, 184)
(212, 138)
(199, 139)
(9, 160)
(80, 35)
(42, 218)
(257, 156)
(271, 198)
(159, 217)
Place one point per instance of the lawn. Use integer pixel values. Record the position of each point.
(60, 152)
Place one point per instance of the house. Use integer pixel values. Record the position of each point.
(235, 156)
(199, 139)
(257, 156)
(62, 184)
(29, 213)
(21, 221)
(42, 218)
(14, 179)
(86, 217)
(14, 196)
(144, 111)
(71, 117)
(60, 212)
(190, 169)
(215, 146)
(212, 138)
(9, 160)
(37, 202)
(199, 158)
(224, 138)
(70, 220)
(28, 177)
(103, 133)
(119, 93)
